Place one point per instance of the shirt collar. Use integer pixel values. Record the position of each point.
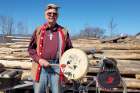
(53, 29)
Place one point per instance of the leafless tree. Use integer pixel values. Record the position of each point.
(112, 27)
(92, 32)
(6, 25)
(21, 28)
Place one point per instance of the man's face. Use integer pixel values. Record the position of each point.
(51, 15)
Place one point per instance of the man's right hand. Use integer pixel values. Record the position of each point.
(44, 63)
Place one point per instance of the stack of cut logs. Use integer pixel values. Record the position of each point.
(126, 54)
(15, 56)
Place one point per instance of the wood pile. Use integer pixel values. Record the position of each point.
(14, 56)
(126, 52)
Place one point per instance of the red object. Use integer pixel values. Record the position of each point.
(61, 75)
(40, 53)
(62, 50)
(110, 80)
(38, 73)
(63, 65)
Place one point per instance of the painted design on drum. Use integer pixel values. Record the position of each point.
(76, 63)
(72, 65)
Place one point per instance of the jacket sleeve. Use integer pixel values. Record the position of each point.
(32, 48)
(68, 42)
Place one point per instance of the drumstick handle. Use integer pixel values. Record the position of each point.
(54, 65)
(59, 65)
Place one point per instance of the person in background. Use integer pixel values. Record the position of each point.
(48, 43)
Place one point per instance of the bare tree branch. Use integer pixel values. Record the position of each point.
(112, 26)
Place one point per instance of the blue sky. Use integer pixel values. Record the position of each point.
(77, 14)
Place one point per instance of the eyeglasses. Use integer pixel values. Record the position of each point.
(52, 14)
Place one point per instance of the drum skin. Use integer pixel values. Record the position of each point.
(76, 64)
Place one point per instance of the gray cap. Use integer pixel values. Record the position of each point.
(52, 6)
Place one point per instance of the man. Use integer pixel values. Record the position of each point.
(48, 43)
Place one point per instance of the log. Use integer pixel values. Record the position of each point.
(92, 50)
(2, 91)
(94, 62)
(26, 75)
(137, 76)
(19, 64)
(129, 63)
(132, 83)
(15, 64)
(109, 46)
(5, 50)
(123, 70)
(120, 63)
(113, 39)
(86, 41)
(19, 46)
(90, 56)
(120, 46)
(10, 50)
(5, 45)
(21, 37)
(21, 54)
(20, 40)
(121, 57)
(13, 58)
(15, 54)
(20, 43)
(19, 50)
(121, 51)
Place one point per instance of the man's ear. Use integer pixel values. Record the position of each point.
(45, 15)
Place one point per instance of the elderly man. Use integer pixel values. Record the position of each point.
(48, 43)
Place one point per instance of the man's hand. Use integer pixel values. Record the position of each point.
(44, 63)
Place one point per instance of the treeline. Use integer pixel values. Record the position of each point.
(88, 32)
(98, 32)
(9, 27)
